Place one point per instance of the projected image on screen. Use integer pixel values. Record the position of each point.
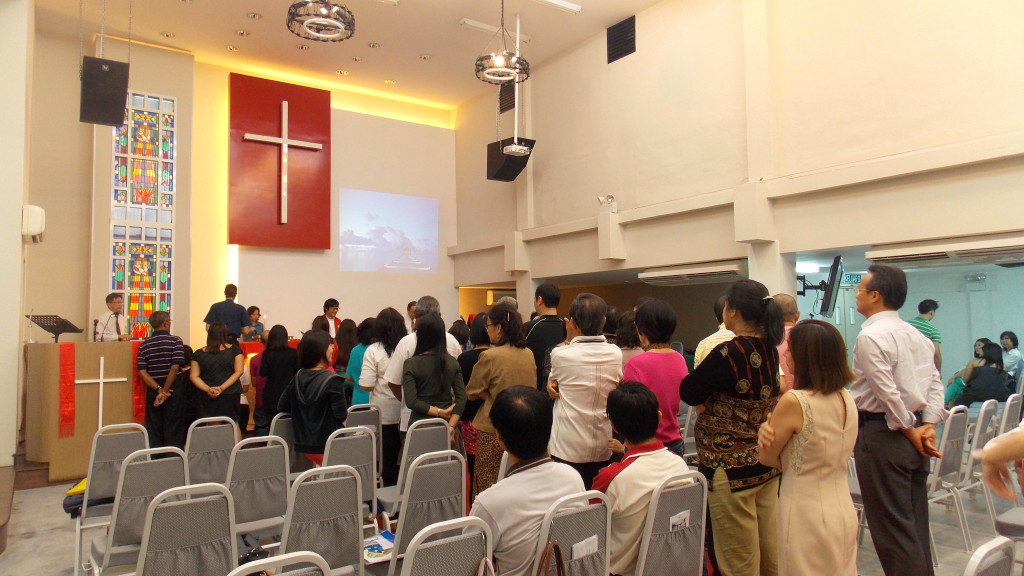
(383, 232)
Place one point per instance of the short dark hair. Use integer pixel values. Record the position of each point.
(819, 355)
(511, 324)
(720, 308)
(626, 336)
(522, 416)
(1011, 336)
(478, 331)
(313, 348)
(587, 311)
(427, 305)
(320, 323)
(330, 303)
(158, 319)
(252, 309)
(277, 338)
(364, 332)
(216, 336)
(751, 299)
(656, 320)
(891, 283)
(633, 410)
(983, 341)
(411, 304)
(549, 294)
(460, 330)
(230, 291)
(114, 296)
(927, 306)
(639, 302)
(611, 320)
(993, 355)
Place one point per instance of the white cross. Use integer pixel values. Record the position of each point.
(284, 142)
(101, 381)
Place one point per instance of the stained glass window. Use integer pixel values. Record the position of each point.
(142, 208)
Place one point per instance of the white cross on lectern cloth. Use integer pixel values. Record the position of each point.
(101, 381)
(284, 142)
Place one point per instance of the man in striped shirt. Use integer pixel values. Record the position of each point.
(923, 322)
(160, 357)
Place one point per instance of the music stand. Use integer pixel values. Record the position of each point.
(54, 324)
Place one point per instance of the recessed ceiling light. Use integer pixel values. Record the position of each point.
(425, 56)
(242, 33)
(254, 15)
(341, 72)
(391, 82)
(303, 47)
(374, 45)
(232, 48)
(357, 58)
(167, 34)
(392, 2)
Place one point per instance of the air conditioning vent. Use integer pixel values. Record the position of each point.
(922, 257)
(621, 39)
(703, 273)
(999, 249)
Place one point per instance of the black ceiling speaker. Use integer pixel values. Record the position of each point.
(506, 167)
(104, 91)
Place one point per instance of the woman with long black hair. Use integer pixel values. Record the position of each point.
(432, 380)
(388, 330)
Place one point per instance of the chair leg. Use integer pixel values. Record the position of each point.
(990, 505)
(78, 546)
(935, 554)
(962, 516)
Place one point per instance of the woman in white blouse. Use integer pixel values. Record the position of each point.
(388, 329)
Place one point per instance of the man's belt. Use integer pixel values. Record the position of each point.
(863, 416)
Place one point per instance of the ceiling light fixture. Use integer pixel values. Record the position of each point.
(501, 65)
(321, 20)
(391, 82)
(232, 48)
(562, 5)
(242, 33)
(341, 72)
(254, 16)
(481, 27)
(167, 34)
(373, 45)
(392, 2)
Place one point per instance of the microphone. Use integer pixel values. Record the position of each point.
(95, 329)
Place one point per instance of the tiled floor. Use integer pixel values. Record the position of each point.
(42, 536)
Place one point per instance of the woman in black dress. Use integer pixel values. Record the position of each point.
(279, 364)
(216, 370)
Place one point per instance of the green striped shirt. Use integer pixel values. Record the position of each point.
(924, 326)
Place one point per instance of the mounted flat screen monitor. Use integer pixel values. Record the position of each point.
(831, 288)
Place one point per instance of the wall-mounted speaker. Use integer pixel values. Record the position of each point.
(503, 167)
(104, 91)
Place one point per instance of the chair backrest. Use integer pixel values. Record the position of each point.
(324, 508)
(271, 565)
(142, 478)
(1011, 413)
(673, 537)
(435, 492)
(369, 416)
(430, 552)
(579, 519)
(993, 558)
(503, 466)
(424, 436)
(208, 447)
(281, 426)
(984, 430)
(355, 447)
(258, 478)
(110, 446)
(951, 445)
(189, 530)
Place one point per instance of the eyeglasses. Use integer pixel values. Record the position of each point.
(864, 290)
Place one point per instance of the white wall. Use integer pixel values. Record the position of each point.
(378, 155)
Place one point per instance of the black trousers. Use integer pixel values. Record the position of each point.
(391, 448)
(894, 483)
(166, 423)
(587, 470)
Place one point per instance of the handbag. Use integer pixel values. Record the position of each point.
(486, 568)
(544, 568)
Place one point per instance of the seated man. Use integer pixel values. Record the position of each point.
(628, 485)
(515, 506)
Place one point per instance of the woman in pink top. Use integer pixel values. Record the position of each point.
(660, 368)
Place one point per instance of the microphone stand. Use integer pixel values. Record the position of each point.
(95, 330)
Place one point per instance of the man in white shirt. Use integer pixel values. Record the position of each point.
(582, 375)
(515, 506)
(110, 326)
(899, 397)
(407, 347)
(708, 344)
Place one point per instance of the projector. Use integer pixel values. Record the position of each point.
(516, 150)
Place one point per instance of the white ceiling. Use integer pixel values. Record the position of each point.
(405, 32)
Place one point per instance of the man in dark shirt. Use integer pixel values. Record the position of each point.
(160, 357)
(232, 315)
(546, 330)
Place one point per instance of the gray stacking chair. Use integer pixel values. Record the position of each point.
(430, 552)
(1011, 413)
(984, 430)
(324, 506)
(316, 566)
(189, 530)
(368, 415)
(572, 520)
(355, 447)
(110, 446)
(424, 436)
(258, 481)
(435, 492)
(993, 558)
(948, 473)
(141, 479)
(281, 426)
(672, 543)
(208, 447)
